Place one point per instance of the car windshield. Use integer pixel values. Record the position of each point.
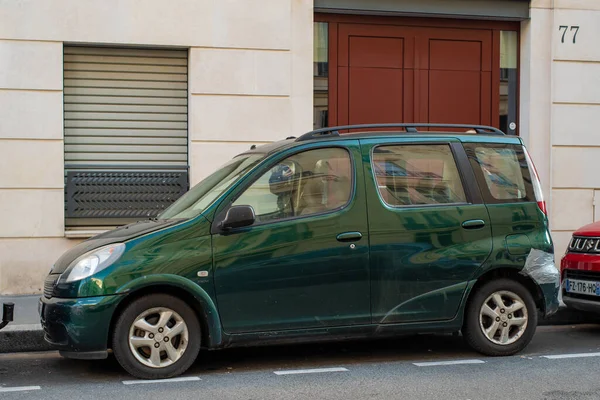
(194, 202)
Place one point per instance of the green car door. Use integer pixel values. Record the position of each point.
(429, 231)
(304, 263)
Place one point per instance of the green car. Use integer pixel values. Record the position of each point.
(321, 237)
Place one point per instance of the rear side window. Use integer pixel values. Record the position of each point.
(417, 175)
(501, 171)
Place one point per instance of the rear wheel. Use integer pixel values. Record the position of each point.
(157, 337)
(500, 319)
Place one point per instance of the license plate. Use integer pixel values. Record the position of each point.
(590, 288)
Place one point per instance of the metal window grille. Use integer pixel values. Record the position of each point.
(122, 194)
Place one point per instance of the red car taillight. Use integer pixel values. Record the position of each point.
(535, 180)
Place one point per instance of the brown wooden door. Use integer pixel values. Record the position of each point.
(375, 74)
(454, 76)
(386, 73)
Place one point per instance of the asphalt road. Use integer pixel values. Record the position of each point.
(560, 363)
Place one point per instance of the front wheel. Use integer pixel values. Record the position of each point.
(157, 337)
(500, 319)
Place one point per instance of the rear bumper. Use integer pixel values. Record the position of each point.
(550, 292)
(78, 326)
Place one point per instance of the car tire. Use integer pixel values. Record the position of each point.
(500, 329)
(157, 336)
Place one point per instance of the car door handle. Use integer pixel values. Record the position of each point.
(349, 237)
(473, 224)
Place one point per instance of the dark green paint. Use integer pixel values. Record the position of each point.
(295, 273)
(81, 325)
(521, 219)
(411, 269)
(171, 257)
(120, 234)
(180, 250)
(421, 256)
(518, 244)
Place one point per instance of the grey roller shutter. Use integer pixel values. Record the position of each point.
(125, 107)
(125, 132)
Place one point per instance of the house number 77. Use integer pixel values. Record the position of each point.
(568, 29)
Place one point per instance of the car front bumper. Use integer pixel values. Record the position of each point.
(78, 328)
(584, 267)
(582, 304)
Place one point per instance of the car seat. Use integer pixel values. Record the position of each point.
(324, 190)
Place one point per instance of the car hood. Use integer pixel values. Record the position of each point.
(118, 235)
(589, 230)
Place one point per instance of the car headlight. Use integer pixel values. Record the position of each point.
(94, 261)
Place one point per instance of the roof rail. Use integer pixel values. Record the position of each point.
(408, 127)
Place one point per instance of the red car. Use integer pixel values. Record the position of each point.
(580, 270)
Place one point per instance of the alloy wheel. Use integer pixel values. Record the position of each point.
(503, 317)
(158, 337)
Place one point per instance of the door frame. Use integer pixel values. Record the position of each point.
(374, 200)
(334, 21)
(269, 162)
(357, 199)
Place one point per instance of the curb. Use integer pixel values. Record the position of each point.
(30, 338)
(23, 338)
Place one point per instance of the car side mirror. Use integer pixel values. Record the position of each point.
(238, 217)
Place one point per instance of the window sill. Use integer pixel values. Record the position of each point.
(85, 233)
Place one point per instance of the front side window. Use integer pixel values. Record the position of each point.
(312, 182)
(417, 175)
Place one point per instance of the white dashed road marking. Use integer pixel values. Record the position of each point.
(309, 371)
(18, 389)
(580, 355)
(457, 362)
(185, 379)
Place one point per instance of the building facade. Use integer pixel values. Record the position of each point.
(113, 108)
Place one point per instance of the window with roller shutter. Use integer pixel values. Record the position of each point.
(125, 131)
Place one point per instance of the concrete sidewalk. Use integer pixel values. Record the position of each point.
(25, 333)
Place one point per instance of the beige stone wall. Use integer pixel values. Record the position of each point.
(250, 82)
(575, 113)
(560, 106)
(31, 162)
(535, 91)
(244, 96)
